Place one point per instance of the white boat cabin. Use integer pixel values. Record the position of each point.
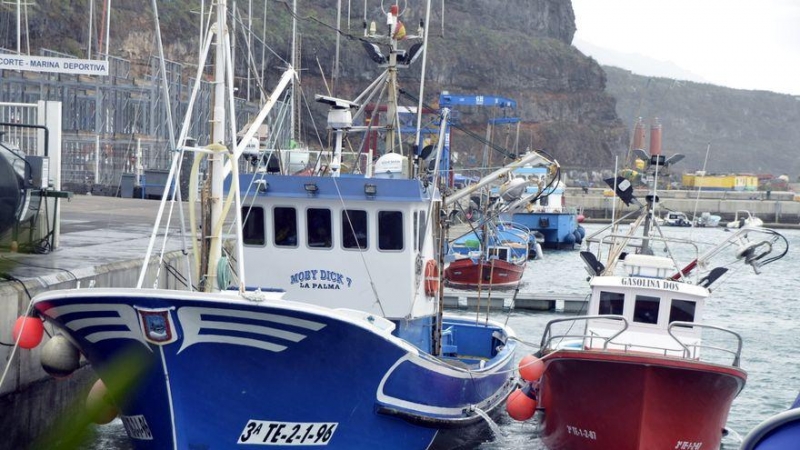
(676, 219)
(346, 242)
(649, 301)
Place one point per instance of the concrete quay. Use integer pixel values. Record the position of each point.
(102, 242)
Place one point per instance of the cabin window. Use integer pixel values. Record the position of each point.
(500, 253)
(253, 226)
(611, 303)
(682, 311)
(646, 309)
(390, 230)
(318, 227)
(354, 229)
(285, 221)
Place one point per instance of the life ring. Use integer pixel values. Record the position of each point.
(431, 278)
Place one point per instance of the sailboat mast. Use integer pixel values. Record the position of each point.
(216, 162)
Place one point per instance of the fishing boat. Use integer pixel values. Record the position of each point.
(545, 210)
(494, 255)
(743, 218)
(779, 432)
(642, 369)
(346, 346)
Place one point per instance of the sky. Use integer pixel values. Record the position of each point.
(743, 44)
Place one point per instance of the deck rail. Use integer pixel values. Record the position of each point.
(588, 339)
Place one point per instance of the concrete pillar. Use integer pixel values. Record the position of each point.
(49, 115)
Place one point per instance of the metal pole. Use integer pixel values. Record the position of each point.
(97, 159)
(338, 36)
(292, 124)
(19, 27)
(91, 20)
(249, 44)
(202, 24)
(263, 51)
(108, 27)
(417, 138)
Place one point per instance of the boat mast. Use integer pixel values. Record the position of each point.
(656, 160)
(391, 80)
(294, 120)
(216, 162)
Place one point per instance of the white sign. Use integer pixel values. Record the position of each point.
(260, 432)
(55, 65)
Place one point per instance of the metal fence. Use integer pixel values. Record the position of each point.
(19, 113)
(105, 119)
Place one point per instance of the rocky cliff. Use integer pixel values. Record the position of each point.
(744, 131)
(520, 49)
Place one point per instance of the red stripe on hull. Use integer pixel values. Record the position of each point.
(466, 273)
(603, 400)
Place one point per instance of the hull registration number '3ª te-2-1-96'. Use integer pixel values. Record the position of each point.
(259, 432)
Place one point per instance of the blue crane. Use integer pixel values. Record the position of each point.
(448, 100)
(453, 101)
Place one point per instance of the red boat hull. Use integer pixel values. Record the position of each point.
(467, 274)
(624, 401)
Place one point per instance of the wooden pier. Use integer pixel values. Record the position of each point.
(506, 300)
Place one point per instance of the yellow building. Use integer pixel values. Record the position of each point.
(720, 182)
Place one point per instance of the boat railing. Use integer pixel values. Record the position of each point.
(514, 225)
(693, 350)
(549, 336)
(612, 239)
(553, 340)
(628, 347)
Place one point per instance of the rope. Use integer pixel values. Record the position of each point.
(223, 273)
(29, 309)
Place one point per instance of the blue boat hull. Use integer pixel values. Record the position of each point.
(560, 230)
(190, 372)
(779, 432)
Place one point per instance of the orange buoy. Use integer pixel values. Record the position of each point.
(99, 406)
(431, 278)
(28, 331)
(521, 404)
(581, 218)
(531, 368)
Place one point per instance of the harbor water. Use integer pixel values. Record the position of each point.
(763, 309)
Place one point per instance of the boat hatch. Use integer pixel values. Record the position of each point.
(649, 266)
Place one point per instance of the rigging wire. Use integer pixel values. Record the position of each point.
(28, 310)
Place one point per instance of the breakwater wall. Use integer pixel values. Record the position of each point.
(772, 208)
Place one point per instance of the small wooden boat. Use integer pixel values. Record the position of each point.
(494, 256)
